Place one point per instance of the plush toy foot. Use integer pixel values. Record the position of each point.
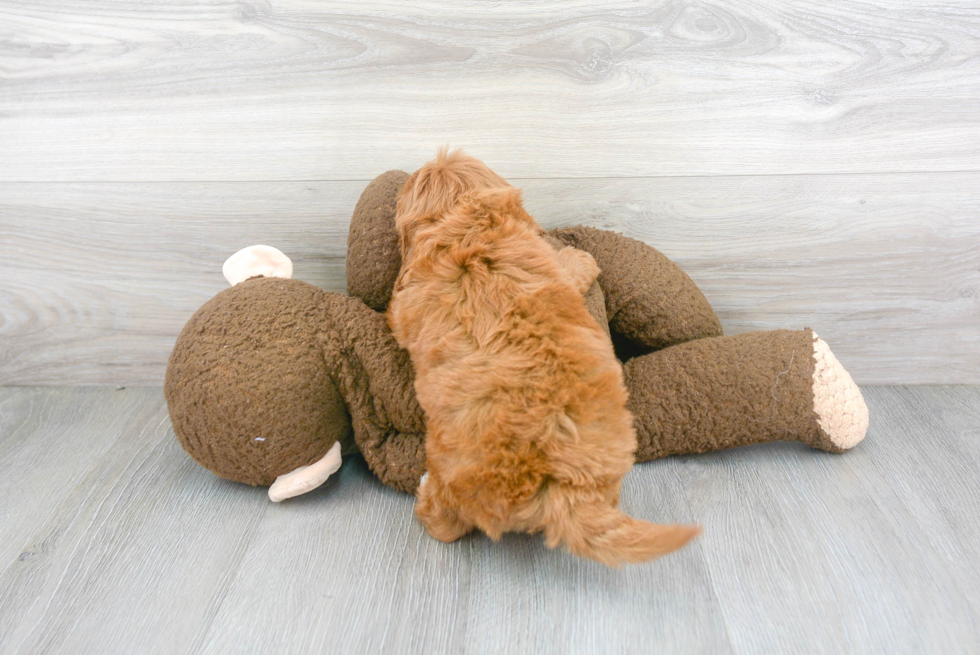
(306, 478)
(837, 401)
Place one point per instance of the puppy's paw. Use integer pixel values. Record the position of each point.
(440, 520)
(579, 267)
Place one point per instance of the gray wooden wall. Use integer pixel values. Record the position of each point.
(808, 163)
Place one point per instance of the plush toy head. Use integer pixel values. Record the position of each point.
(249, 393)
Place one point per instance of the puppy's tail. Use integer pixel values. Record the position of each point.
(603, 533)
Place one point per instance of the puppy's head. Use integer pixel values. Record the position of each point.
(435, 189)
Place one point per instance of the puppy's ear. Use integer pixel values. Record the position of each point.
(504, 200)
(510, 200)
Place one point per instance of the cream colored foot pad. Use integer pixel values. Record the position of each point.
(837, 401)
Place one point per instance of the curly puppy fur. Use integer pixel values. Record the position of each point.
(527, 426)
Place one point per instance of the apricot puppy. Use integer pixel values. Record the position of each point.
(527, 426)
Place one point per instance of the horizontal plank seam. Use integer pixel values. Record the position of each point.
(559, 178)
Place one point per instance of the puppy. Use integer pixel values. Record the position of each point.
(527, 426)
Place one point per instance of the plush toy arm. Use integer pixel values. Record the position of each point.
(377, 382)
(650, 301)
(721, 392)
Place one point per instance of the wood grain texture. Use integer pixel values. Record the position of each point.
(526, 599)
(885, 268)
(49, 442)
(100, 278)
(134, 548)
(134, 559)
(935, 476)
(807, 163)
(297, 90)
(807, 552)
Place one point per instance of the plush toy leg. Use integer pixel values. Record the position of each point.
(306, 478)
(751, 388)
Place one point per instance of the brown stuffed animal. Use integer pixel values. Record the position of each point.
(272, 379)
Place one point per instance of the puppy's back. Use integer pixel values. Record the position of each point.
(525, 403)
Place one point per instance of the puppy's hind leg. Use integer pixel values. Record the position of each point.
(433, 507)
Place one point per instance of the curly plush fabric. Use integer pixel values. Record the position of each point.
(721, 392)
(650, 301)
(373, 257)
(377, 381)
(249, 393)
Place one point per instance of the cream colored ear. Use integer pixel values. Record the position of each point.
(306, 478)
(256, 260)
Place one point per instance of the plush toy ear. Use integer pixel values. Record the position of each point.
(255, 261)
(306, 478)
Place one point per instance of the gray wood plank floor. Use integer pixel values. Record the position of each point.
(113, 541)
